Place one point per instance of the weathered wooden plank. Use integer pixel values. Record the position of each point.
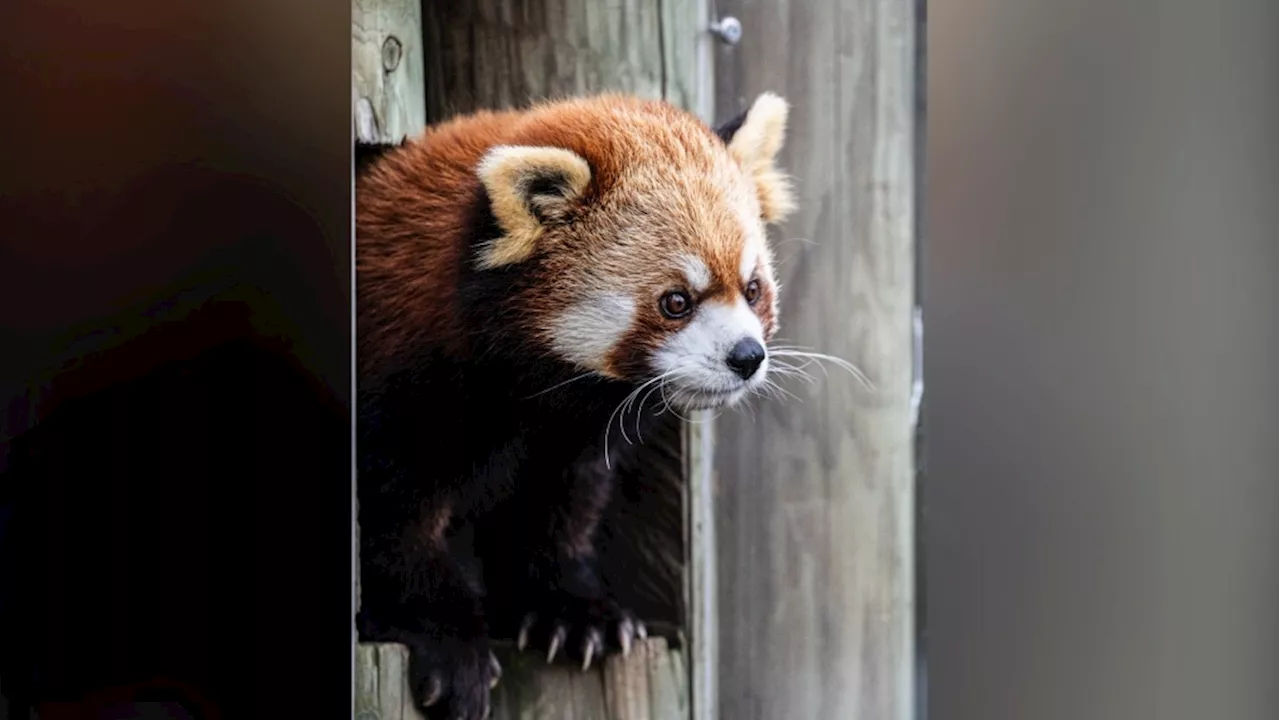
(382, 683)
(687, 56)
(649, 684)
(815, 503)
(627, 685)
(386, 68)
(689, 81)
(700, 572)
(487, 54)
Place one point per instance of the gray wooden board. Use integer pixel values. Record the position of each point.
(814, 495)
(485, 54)
(648, 684)
(386, 65)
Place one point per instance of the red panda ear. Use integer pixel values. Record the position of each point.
(754, 141)
(529, 188)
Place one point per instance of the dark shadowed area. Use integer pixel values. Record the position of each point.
(174, 419)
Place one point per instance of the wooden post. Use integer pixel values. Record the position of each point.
(649, 684)
(486, 54)
(502, 53)
(815, 496)
(386, 68)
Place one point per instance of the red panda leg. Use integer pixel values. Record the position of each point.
(415, 592)
(570, 611)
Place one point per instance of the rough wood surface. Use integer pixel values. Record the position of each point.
(386, 68)
(649, 684)
(815, 495)
(689, 81)
(701, 569)
(504, 53)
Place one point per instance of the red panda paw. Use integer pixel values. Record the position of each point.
(583, 629)
(451, 678)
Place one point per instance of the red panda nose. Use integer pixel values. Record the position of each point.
(745, 358)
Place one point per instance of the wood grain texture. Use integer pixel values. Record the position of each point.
(386, 66)
(689, 81)
(485, 54)
(815, 495)
(649, 684)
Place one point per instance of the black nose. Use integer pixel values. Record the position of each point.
(745, 358)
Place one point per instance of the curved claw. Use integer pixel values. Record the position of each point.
(495, 669)
(522, 640)
(641, 631)
(436, 689)
(590, 647)
(625, 630)
(557, 639)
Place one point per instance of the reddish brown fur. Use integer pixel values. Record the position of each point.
(435, 523)
(406, 266)
(411, 213)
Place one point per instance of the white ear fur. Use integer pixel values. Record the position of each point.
(755, 146)
(529, 188)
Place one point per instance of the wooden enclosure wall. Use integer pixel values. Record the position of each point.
(386, 69)
(814, 495)
(455, 57)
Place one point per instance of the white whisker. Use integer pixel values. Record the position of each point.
(789, 352)
(780, 392)
(656, 388)
(609, 425)
(792, 371)
(621, 412)
(559, 385)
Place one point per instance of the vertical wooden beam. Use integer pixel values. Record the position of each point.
(386, 68)
(701, 569)
(815, 499)
(689, 81)
(486, 54)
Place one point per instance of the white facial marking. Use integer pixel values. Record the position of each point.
(696, 355)
(754, 248)
(588, 330)
(747, 265)
(696, 272)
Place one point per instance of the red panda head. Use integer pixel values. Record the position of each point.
(644, 233)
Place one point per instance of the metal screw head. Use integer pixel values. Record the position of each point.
(728, 29)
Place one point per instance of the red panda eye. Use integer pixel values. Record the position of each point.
(675, 305)
(752, 292)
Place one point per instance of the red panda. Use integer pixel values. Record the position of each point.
(524, 279)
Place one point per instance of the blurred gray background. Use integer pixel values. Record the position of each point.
(1099, 267)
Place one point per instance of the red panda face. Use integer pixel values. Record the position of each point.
(648, 248)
